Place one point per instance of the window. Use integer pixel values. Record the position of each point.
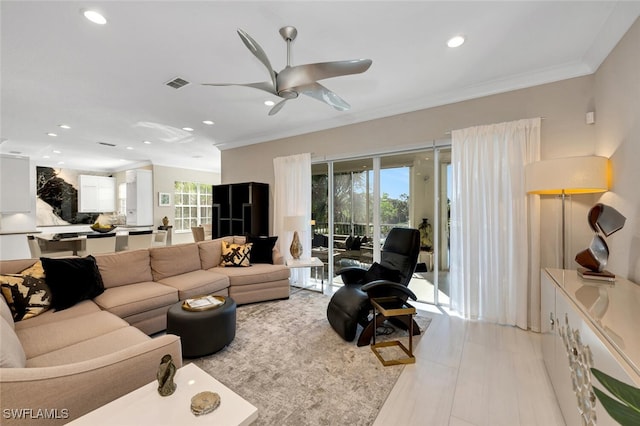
(193, 205)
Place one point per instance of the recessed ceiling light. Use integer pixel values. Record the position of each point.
(60, 162)
(208, 122)
(129, 147)
(94, 17)
(188, 129)
(269, 103)
(55, 151)
(456, 41)
(146, 142)
(64, 126)
(51, 134)
(45, 156)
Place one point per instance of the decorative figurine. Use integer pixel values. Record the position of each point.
(166, 371)
(165, 221)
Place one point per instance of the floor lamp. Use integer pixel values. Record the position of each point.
(567, 176)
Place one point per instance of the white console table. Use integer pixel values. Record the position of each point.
(588, 322)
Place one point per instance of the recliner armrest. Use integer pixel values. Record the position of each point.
(351, 274)
(382, 288)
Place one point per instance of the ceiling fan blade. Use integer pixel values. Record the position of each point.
(301, 75)
(257, 51)
(277, 107)
(265, 85)
(321, 93)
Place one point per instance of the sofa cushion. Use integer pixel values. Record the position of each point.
(197, 283)
(79, 309)
(262, 249)
(26, 295)
(105, 344)
(235, 254)
(258, 273)
(124, 301)
(11, 352)
(72, 280)
(59, 334)
(16, 266)
(5, 312)
(211, 252)
(174, 260)
(125, 267)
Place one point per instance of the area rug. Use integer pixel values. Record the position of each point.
(288, 362)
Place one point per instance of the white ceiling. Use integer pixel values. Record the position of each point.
(107, 82)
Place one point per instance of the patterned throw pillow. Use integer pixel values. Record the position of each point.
(236, 254)
(26, 293)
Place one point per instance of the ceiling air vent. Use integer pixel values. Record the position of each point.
(177, 83)
(106, 144)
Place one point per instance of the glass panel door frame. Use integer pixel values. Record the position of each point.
(439, 209)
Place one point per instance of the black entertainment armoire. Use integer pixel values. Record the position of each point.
(240, 209)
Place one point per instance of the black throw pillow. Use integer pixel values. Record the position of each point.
(72, 280)
(348, 242)
(262, 250)
(379, 272)
(355, 245)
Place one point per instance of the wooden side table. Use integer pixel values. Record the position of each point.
(389, 307)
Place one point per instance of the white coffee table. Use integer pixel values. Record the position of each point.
(311, 262)
(145, 406)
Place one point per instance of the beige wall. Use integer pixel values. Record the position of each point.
(564, 133)
(617, 95)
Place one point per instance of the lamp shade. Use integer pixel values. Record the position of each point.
(294, 223)
(571, 175)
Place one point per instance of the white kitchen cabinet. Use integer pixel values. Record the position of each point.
(139, 197)
(97, 194)
(15, 185)
(588, 324)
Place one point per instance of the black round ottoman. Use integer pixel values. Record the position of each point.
(203, 332)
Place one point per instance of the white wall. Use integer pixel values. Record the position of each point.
(164, 179)
(15, 227)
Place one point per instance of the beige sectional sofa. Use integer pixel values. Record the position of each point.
(82, 357)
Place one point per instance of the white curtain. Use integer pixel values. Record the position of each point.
(495, 237)
(292, 197)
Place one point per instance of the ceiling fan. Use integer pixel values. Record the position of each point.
(300, 79)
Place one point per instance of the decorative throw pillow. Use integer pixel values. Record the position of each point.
(36, 270)
(72, 280)
(262, 249)
(26, 293)
(236, 254)
(379, 272)
(355, 245)
(348, 242)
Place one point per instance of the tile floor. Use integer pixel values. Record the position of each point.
(470, 373)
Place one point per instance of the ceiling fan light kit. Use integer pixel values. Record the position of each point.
(292, 81)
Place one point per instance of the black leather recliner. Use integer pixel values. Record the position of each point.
(350, 305)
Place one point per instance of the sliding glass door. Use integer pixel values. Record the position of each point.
(356, 202)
